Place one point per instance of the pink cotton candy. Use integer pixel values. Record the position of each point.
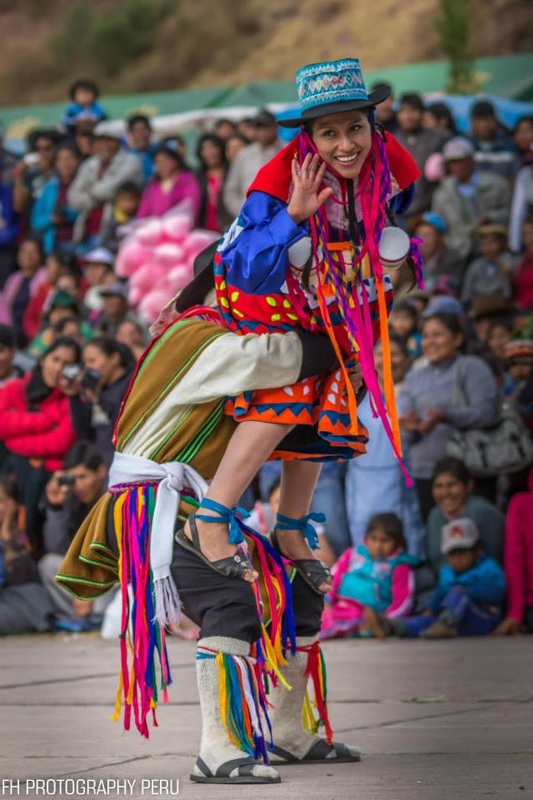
(169, 254)
(434, 170)
(177, 227)
(131, 256)
(178, 277)
(146, 277)
(151, 305)
(150, 233)
(198, 241)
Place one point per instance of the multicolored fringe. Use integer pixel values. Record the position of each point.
(278, 624)
(145, 668)
(353, 301)
(243, 705)
(316, 670)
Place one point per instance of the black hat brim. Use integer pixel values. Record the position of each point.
(374, 98)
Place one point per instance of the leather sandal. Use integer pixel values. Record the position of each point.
(320, 753)
(235, 566)
(310, 570)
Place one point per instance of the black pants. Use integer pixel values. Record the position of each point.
(226, 606)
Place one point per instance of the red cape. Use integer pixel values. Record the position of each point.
(275, 177)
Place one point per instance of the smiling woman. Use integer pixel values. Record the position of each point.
(452, 488)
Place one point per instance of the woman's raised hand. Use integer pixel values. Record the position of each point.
(306, 196)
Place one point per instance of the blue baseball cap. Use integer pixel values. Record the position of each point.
(429, 218)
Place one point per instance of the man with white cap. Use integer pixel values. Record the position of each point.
(93, 189)
(468, 198)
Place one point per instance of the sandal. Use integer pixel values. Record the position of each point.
(312, 571)
(235, 566)
(321, 752)
(242, 766)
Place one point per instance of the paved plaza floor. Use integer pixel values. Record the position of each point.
(435, 721)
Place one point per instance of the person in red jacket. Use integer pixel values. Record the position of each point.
(518, 564)
(36, 426)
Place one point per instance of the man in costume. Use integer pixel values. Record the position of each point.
(301, 299)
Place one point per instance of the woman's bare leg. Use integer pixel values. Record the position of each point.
(248, 449)
(298, 482)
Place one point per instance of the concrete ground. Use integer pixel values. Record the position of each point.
(435, 720)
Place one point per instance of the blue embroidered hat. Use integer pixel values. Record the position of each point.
(331, 87)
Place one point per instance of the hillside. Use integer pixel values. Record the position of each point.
(142, 45)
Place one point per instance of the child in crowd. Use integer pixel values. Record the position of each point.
(492, 272)
(83, 104)
(376, 576)
(404, 323)
(98, 272)
(470, 593)
(125, 209)
(523, 280)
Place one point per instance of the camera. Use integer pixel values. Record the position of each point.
(66, 480)
(91, 378)
(71, 372)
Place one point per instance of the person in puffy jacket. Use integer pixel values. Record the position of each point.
(376, 576)
(37, 426)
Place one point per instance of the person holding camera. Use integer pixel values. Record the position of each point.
(109, 367)
(69, 495)
(37, 427)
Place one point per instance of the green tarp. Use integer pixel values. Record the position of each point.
(507, 76)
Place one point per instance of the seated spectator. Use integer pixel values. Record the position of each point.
(57, 265)
(24, 604)
(245, 128)
(84, 138)
(22, 286)
(484, 310)
(83, 104)
(233, 145)
(518, 564)
(439, 259)
(173, 183)
(453, 493)
(385, 111)
(51, 217)
(469, 598)
(246, 164)
(467, 198)
(437, 116)
(521, 208)
(523, 139)
(98, 270)
(125, 210)
(70, 494)
(404, 324)
(518, 360)
(93, 190)
(523, 279)
(421, 143)
(212, 173)
(109, 367)
(8, 370)
(61, 306)
(224, 128)
(140, 142)
(376, 576)
(115, 309)
(492, 272)
(37, 427)
(34, 171)
(499, 335)
(428, 405)
(494, 149)
(131, 333)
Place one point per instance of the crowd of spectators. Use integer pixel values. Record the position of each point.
(450, 555)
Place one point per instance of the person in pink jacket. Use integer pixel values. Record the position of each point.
(518, 564)
(173, 184)
(375, 578)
